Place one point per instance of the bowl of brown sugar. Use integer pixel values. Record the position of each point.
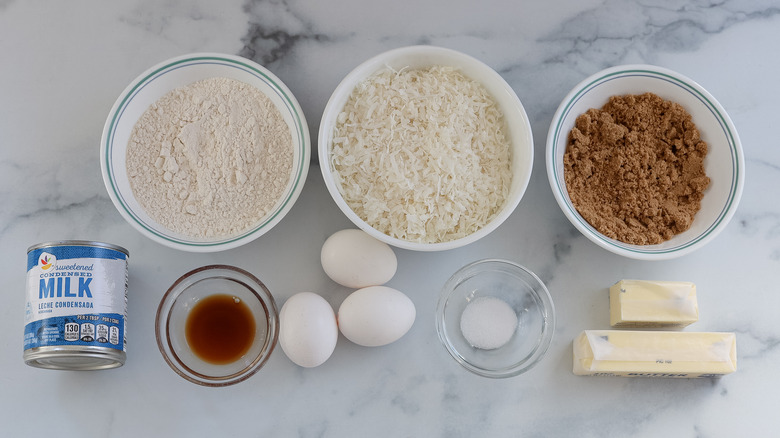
(644, 162)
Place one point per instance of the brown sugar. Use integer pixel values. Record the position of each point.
(634, 169)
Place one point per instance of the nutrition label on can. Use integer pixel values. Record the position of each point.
(76, 295)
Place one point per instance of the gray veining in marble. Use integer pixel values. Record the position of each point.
(66, 63)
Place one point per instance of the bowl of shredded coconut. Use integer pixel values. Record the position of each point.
(425, 148)
(645, 162)
(496, 318)
(205, 152)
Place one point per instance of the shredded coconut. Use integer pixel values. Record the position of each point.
(210, 159)
(421, 154)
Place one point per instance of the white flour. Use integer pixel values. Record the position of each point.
(210, 159)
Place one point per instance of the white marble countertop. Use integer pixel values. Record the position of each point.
(64, 64)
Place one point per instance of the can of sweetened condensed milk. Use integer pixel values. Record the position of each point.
(76, 311)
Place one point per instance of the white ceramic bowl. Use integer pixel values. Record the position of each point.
(518, 129)
(178, 72)
(724, 163)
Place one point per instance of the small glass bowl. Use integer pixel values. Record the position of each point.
(185, 293)
(518, 287)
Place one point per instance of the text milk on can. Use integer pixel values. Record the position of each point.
(76, 311)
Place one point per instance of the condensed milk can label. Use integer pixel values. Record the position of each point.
(76, 296)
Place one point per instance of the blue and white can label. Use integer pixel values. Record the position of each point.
(76, 297)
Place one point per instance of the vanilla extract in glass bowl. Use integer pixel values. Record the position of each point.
(217, 325)
(220, 329)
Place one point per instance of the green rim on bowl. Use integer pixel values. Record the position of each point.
(686, 85)
(291, 106)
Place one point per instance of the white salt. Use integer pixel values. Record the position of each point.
(488, 323)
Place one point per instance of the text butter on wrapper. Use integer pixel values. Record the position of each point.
(640, 303)
(76, 311)
(654, 354)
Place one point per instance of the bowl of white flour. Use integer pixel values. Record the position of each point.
(205, 152)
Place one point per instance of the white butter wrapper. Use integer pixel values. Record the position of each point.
(641, 303)
(654, 353)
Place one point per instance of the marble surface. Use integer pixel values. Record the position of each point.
(64, 64)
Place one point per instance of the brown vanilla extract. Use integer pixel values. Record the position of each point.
(220, 329)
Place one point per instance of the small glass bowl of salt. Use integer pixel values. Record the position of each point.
(495, 318)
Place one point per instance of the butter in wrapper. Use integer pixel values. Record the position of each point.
(627, 353)
(641, 303)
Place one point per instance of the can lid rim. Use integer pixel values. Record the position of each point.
(92, 243)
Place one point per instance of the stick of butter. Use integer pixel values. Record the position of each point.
(640, 303)
(628, 353)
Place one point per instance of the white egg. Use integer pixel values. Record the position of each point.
(308, 330)
(376, 316)
(353, 258)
